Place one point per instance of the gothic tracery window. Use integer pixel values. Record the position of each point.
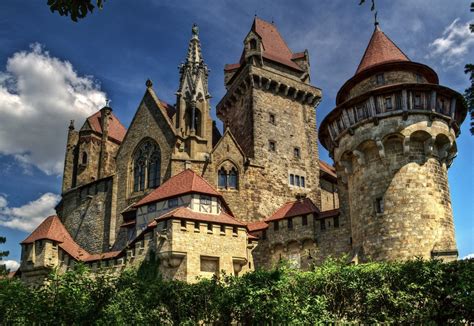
(227, 176)
(146, 166)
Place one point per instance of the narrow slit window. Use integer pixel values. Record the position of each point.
(322, 224)
(290, 223)
(379, 205)
(276, 226)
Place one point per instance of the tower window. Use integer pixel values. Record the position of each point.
(388, 103)
(183, 224)
(222, 228)
(84, 158)
(297, 180)
(196, 225)
(302, 183)
(417, 100)
(296, 152)
(380, 79)
(271, 118)
(419, 78)
(292, 179)
(379, 205)
(272, 145)
(209, 227)
(253, 44)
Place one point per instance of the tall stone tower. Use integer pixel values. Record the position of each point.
(393, 136)
(192, 120)
(270, 109)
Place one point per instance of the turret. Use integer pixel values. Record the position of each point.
(69, 176)
(393, 136)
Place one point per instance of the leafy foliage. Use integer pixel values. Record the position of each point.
(3, 269)
(75, 9)
(413, 292)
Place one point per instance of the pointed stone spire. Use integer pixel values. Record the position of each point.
(381, 49)
(193, 71)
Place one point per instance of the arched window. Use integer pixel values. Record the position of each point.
(232, 179)
(84, 158)
(253, 44)
(147, 166)
(222, 178)
(228, 176)
(197, 120)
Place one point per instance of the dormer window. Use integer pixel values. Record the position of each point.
(380, 79)
(205, 204)
(253, 44)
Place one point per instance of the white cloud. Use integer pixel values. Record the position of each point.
(30, 215)
(39, 94)
(454, 44)
(469, 256)
(12, 265)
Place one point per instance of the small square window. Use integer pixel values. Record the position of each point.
(276, 226)
(388, 103)
(222, 228)
(322, 224)
(173, 202)
(234, 230)
(304, 220)
(379, 205)
(196, 225)
(272, 146)
(183, 224)
(271, 118)
(296, 152)
(290, 223)
(380, 79)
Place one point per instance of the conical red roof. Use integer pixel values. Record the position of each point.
(183, 183)
(380, 50)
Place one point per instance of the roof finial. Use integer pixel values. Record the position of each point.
(149, 83)
(195, 30)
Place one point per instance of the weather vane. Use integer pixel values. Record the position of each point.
(107, 102)
(195, 29)
(372, 8)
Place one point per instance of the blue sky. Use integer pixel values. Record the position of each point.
(53, 70)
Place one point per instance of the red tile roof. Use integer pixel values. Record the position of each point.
(380, 50)
(188, 214)
(294, 208)
(257, 226)
(52, 229)
(326, 167)
(274, 46)
(102, 256)
(183, 183)
(170, 109)
(330, 213)
(116, 129)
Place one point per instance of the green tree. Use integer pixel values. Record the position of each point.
(75, 9)
(3, 268)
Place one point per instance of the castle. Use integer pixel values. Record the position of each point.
(171, 185)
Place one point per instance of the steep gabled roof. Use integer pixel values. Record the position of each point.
(52, 229)
(294, 208)
(257, 226)
(183, 183)
(188, 214)
(116, 129)
(380, 50)
(274, 46)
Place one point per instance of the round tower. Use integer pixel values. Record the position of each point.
(393, 136)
